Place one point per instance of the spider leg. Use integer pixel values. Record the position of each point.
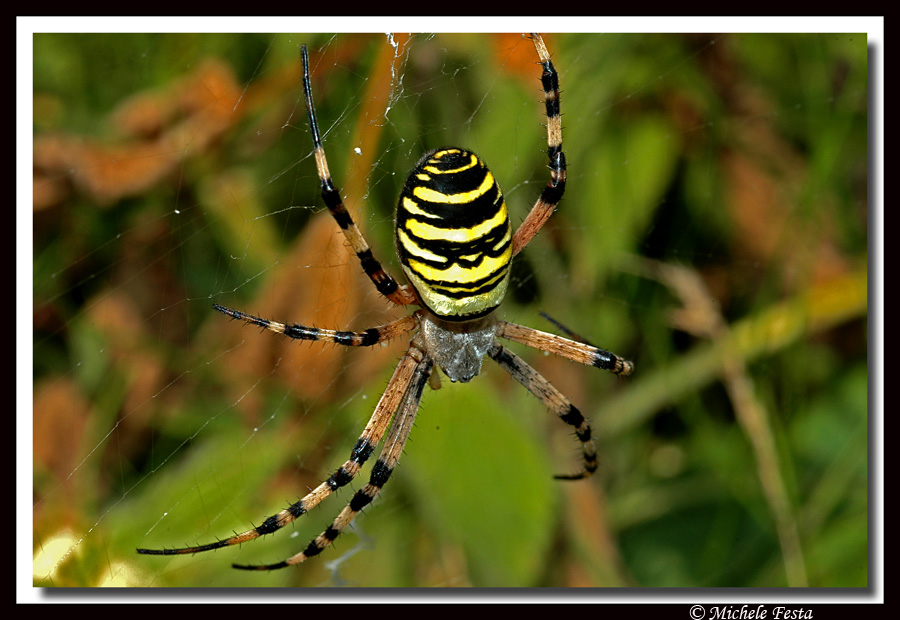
(371, 336)
(580, 352)
(381, 471)
(553, 191)
(554, 400)
(383, 281)
(568, 332)
(409, 370)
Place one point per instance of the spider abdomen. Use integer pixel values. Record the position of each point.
(453, 235)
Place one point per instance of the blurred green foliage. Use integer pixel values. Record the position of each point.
(739, 159)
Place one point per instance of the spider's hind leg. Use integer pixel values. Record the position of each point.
(400, 294)
(556, 186)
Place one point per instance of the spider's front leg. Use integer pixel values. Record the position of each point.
(408, 369)
(555, 401)
(411, 389)
(552, 398)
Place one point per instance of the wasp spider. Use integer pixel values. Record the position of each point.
(455, 244)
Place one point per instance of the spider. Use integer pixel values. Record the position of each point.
(455, 244)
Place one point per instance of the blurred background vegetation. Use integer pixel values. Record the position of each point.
(714, 231)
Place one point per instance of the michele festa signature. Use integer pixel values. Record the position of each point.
(746, 612)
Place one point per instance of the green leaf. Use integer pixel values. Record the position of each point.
(484, 481)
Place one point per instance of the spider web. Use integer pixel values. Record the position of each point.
(184, 179)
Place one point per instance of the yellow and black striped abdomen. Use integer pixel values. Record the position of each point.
(453, 235)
